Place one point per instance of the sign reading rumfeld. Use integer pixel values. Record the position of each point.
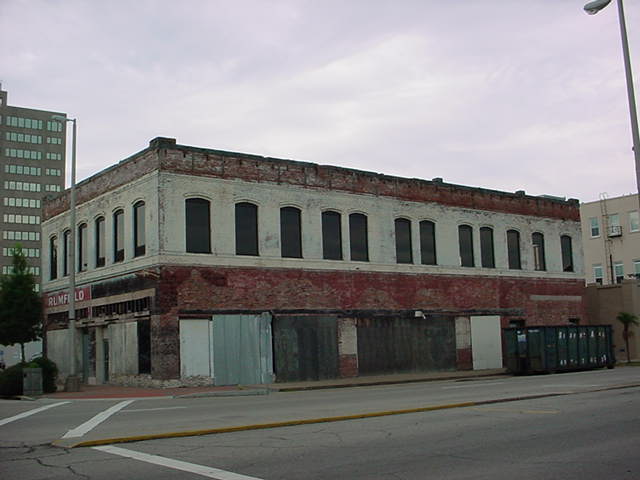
(62, 298)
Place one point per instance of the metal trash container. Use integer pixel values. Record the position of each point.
(558, 348)
(32, 381)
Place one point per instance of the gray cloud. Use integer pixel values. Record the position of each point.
(493, 93)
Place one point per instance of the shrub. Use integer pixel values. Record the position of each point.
(11, 381)
(49, 373)
(11, 378)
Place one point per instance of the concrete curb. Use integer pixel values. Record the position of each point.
(226, 393)
(385, 382)
(309, 421)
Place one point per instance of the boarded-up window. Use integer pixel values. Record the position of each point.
(82, 247)
(53, 258)
(567, 253)
(246, 229)
(100, 250)
(428, 243)
(404, 252)
(118, 236)
(331, 236)
(538, 251)
(465, 240)
(66, 251)
(144, 346)
(290, 232)
(358, 237)
(198, 225)
(487, 253)
(139, 239)
(513, 249)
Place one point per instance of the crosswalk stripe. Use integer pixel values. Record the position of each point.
(89, 425)
(202, 470)
(29, 413)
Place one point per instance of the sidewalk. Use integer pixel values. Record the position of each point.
(116, 391)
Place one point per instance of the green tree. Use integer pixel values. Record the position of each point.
(627, 320)
(20, 304)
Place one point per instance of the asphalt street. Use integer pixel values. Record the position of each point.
(589, 424)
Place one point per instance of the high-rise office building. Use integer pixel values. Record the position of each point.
(32, 165)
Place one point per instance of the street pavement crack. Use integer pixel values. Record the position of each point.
(65, 467)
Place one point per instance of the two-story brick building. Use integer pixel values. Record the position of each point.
(204, 266)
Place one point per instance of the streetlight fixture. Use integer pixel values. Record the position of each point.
(72, 383)
(592, 8)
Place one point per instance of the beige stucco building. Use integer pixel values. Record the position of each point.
(611, 239)
(611, 243)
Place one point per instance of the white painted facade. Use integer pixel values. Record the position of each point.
(165, 193)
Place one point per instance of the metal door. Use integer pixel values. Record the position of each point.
(242, 351)
(406, 344)
(486, 342)
(195, 347)
(305, 348)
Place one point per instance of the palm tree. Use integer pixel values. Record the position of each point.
(627, 319)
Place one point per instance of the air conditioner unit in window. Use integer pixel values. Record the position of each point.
(615, 231)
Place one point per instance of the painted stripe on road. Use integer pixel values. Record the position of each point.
(29, 413)
(202, 470)
(89, 425)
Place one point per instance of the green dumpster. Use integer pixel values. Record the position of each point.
(557, 348)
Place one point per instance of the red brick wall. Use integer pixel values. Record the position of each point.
(164, 154)
(198, 288)
(193, 288)
(347, 366)
(259, 169)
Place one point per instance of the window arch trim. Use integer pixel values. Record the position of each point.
(291, 232)
(197, 224)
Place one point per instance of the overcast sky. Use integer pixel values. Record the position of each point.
(501, 94)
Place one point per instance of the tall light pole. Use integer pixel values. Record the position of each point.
(72, 380)
(592, 8)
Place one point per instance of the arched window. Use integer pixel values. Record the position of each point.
(539, 262)
(290, 232)
(197, 225)
(487, 253)
(118, 236)
(331, 235)
(139, 237)
(100, 248)
(53, 258)
(66, 252)
(513, 249)
(82, 247)
(567, 253)
(427, 243)
(404, 250)
(246, 229)
(465, 240)
(358, 237)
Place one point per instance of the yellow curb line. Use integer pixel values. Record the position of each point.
(291, 423)
(259, 426)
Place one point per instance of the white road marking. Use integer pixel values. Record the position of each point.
(29, 413)
(151, 409)
(89, 425)
(202, 470)
(473, 385)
